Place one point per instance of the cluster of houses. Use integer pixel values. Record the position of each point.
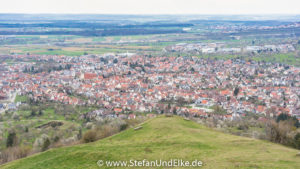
(236, 27)
(210, 48)
(125, 84)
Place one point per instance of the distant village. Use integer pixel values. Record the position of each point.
(126, 83)
(230, 28)
(210, 48)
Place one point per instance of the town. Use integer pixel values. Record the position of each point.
(124, 84)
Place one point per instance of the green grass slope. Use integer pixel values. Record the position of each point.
(168, 138)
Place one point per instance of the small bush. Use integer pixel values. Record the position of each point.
(297, 141)
(90, 136)
(79, 135)
(123, 127)
(243, 126)
(46, 144)
(56, 139)
(11, 139)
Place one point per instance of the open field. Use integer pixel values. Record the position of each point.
(154, 44)
(168, 138)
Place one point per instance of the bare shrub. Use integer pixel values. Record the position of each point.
(285, 129)
(107, 130)
(89, 136)
(280, 132)
(272, 133)
(103, 131)
(14, 153)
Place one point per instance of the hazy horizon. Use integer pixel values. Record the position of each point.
(154, 7)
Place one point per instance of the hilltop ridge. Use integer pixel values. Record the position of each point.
(168, 138)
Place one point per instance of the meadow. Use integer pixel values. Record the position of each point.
(168, 138)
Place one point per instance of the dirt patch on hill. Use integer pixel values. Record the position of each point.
(51, 124)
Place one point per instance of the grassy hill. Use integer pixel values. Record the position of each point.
(168, 138)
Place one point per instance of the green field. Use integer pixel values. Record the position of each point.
(73, 45)
(20, 98)
(168, 138)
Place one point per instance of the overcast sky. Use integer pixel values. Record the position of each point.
(152, 6)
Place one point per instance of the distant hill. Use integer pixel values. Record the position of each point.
(168, 138)
(142, 18)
